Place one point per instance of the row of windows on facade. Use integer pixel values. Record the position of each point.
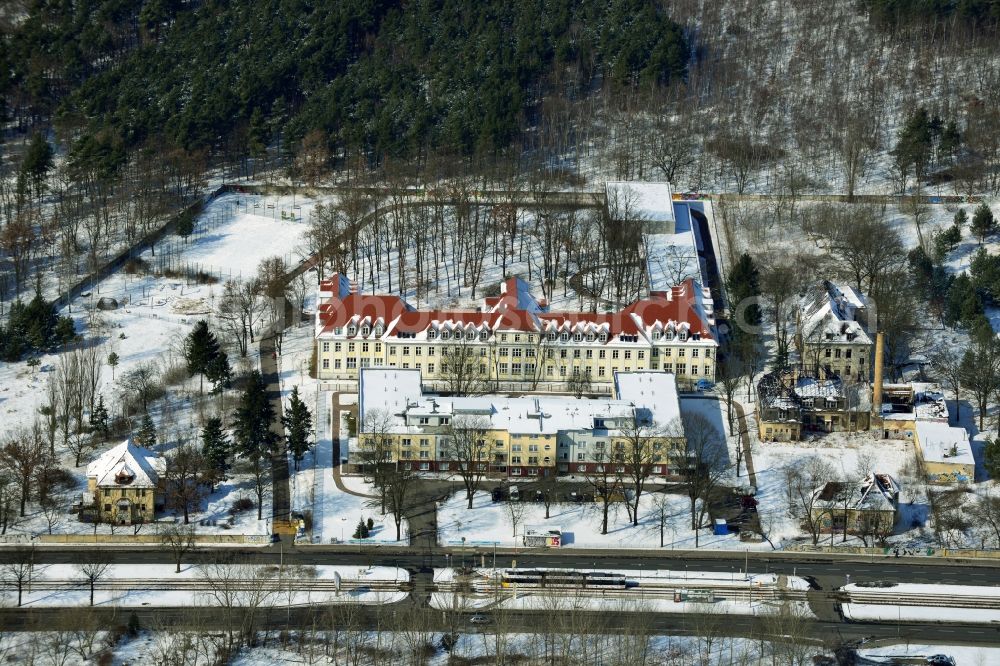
(533, 471)
(619, 447)
(847, 354)
(517, 352)
(517, 368)
(107, 508)
(484, 335)
(141, 492)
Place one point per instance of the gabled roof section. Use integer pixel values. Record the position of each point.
(686, 307)
(338, 312)
(830, 313)
(876, 492)
(127, 465)
(515, 294)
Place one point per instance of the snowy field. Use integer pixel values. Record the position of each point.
(488, 523)
(149, 327)
(130, 586)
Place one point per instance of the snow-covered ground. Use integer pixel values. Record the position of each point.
(351, 646)
(895, 612)
(652, 591)
(157, 585)
(155, 314)
(335, 513)
(488, 523)
(938, 594)
(964, 655)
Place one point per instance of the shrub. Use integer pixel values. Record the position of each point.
(33, 327)
(240, 505)
(136, 266)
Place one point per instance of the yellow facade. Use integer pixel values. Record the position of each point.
(846, 360)
(427, 451)
(123, 503)
(517, 357)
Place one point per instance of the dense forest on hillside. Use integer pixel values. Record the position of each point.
(117, 112)
(382, 77)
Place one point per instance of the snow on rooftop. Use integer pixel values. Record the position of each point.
(389, 389)
(942, 443)
(830, 313)
(653, 201)
(127, 464)
(650, 396)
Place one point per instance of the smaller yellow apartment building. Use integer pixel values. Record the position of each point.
(126, 484)
(525, 436)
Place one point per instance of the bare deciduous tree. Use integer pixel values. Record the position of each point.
(702, 464)
(179, 540)
(466, 446)
(92, 572)
(805, 479)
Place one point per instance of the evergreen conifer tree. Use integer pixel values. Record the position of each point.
(991, 458)
(200, 349)
(253, 437)
(219, 372)
(298, 424)
(99, 417)
(983, 222)
(961, 218)
(216, 447)
(146, 435)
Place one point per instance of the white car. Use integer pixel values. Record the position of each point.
(479, 619)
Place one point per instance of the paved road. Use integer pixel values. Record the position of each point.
(400, 617)
(280, 493)
(822, 567)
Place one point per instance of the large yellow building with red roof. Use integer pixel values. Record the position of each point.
(513, 342)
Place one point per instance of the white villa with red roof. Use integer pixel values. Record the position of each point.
(513, 341)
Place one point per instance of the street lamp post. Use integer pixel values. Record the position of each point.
(463, 552)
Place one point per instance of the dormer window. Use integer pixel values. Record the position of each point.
(471, 335)
(352, 330)
(590, 337)
(366, 330)
(656, 335)
(668, 335)
(378, 331)
(432, 334)
(564, 337)
(484, 335)
(338, 330)
(445, 335)
(682, 336)
(577, 337)
(551, 336)
(604, 337)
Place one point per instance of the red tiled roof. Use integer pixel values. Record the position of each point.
(680, 307)
(336, 312)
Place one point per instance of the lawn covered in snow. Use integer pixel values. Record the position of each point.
(158, 585)
(155, 315)
(488, 523)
